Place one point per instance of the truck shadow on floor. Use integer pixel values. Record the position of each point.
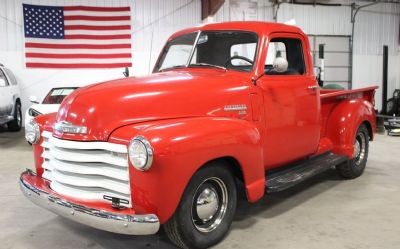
(268, 207)
(275, 204)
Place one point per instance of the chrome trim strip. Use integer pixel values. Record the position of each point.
(100, 219)
(67, 127)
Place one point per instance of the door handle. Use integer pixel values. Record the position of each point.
(312, 87)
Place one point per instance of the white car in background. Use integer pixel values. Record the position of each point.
(10, 101)
(50, 103)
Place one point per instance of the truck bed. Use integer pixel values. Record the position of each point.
(330, 93)
(336, 110)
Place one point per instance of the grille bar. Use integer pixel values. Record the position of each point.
(86, 170)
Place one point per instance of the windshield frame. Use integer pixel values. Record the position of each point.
(194, 46)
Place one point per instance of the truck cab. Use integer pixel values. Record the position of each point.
(228, 106)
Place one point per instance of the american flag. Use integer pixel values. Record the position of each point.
(77, 36)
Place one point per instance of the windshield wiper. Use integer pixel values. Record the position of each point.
(170, 68)
(206, 65)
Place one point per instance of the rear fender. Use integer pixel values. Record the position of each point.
(181, 147)
(344, 121)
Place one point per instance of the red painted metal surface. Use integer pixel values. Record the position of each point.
(181, 112)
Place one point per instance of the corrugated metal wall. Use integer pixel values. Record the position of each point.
(153, 21)
(375, 25)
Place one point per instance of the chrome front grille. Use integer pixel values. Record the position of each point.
(86, 170)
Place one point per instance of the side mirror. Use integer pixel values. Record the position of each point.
(126, 72)
(33, 99)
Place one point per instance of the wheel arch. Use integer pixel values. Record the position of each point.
(236, 169)
(344, 121)
(369, 128)
(181, 147)
(17, 100)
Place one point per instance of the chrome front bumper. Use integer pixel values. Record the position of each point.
(109, 221)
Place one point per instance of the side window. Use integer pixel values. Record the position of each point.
(247, 50)
(11, 76)
(285, 57)
(3, 79)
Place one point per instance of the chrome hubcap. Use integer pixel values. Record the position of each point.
(359, 148)
(209, 204)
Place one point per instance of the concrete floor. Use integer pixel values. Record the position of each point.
(324, 212)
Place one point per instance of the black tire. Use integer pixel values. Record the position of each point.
(390, 107)
(16, 124)
(185, 228)
(355, 167)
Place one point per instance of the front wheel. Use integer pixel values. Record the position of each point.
(206, 209)
(355, 167)
(16, 124)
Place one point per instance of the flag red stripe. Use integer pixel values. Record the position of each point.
(91, 27)
(97, 18)
(69, 46)
(77, 56)
(98, 37)
(83, 65)
(90, 8)
(78, 65)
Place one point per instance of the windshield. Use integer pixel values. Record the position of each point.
(224, 49)
(57, 95)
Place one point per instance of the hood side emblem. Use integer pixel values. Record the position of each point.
(228, 108)
(241, 108)
(67, 127)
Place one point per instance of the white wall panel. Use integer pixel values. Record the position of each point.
(317, 20)
(376, 26)
(153, 21)
(235, 10)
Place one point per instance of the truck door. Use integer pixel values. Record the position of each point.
(291, 100)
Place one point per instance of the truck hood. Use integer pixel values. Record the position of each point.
(104, 107)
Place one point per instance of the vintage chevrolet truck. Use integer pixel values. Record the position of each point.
(229, 107)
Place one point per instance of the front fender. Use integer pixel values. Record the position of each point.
(181, 147)
(344, 121)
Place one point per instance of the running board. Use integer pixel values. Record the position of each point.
(289, 176)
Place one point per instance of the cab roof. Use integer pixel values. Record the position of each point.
(261, 28)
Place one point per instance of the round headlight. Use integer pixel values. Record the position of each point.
(32, 132)
(140, 153)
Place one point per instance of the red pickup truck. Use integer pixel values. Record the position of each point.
(228, 106)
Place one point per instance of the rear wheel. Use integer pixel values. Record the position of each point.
(206, 210)
(355, 167)
(16, 124)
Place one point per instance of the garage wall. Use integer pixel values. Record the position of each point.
(376, 26)
(153, 21)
